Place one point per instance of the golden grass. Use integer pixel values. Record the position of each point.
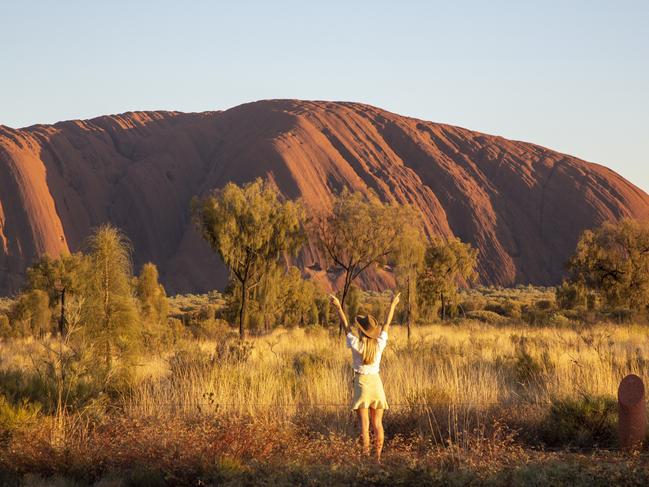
(469, 365)
(456, 392)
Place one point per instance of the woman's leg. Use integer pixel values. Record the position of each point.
(364, 420)
(377, 426)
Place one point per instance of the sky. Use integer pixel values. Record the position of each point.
(569, 75)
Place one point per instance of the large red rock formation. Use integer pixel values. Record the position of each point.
(523, 206)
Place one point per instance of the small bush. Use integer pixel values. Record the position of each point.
(14, 417)
(536, 317)
(191, 360)
(587, 422)
(527, 370)
(544, 304)
(621, 315)
(213, 329)
(229, 348)
(310, 363)
(473, 303)
(559, 320)
(487, 317)
(5, 327)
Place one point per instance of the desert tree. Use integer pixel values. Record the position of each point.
(61, 278)
(31, 313)
(110, 312)
(358, 233)
(408, 261)
(153, 305)
(151, 295)
(250, 228)
(613, 262)
(447, 264)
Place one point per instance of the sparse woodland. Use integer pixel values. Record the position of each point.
(104, 378)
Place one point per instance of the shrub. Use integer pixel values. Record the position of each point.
(536, 317)
(209, 329)
(544, 304)
(621, 315)
(527, 370)
(586, 422)
(208, 312)
(473, 303)
(192, 360)
(559, 320)
(5, 327)
(496, 307)
(487, 317)
(176, 331)
(309, 363)
(230, 348)
(14, 417)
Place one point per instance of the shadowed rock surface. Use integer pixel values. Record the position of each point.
(523, 206)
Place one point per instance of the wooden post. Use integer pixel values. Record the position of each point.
(632, 413)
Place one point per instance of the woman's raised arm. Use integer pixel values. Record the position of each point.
(393, 305)
(343, 319)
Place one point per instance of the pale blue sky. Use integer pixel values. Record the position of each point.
(570, 75)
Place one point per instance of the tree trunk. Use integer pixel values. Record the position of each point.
(408, 307)
(242, 309)
(443, 307)
(62, 318)
(342, 302)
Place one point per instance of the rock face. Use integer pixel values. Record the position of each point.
(523, 206)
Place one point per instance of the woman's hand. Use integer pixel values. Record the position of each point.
(335, 301)
(395, 300)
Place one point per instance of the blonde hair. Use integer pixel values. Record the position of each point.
(369, 347)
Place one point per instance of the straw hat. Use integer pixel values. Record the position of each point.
(368, 325)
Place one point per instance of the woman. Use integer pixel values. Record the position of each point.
(369, 396)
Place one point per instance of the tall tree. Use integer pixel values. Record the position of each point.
(613, 262)
(358, 233)
(250, 228)
(408, 260)
(447, 264)
(110, 312)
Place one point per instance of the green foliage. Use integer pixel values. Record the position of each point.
(110, 313)
(311, 364)
(63, 277)
(151, 295)
(153, 306)
(16, 416)
(31, 314)
(570, 295)
(62, 379)
(360, 232)
(613, 261)
(5, 327)
(354, 301)
(447, 264)
(251, 229)
(229, 349)
(486, 317)
(590, 421)
(209, 329)
(408, 260)
(283, 297)
(324, 309)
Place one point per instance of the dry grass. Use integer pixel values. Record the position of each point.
(468, 401)
(468, 364)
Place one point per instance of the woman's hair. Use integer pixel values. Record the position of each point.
(369, 348)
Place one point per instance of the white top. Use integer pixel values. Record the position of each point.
(357, 353)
